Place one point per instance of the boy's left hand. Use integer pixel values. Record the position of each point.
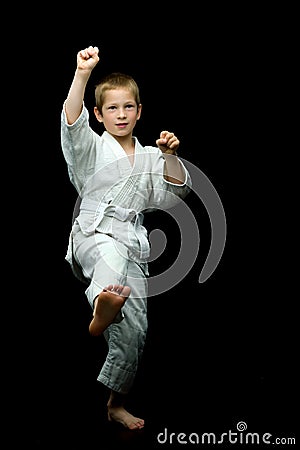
(168, 143)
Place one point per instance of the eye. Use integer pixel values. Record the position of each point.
(130, 106)
(111, 107)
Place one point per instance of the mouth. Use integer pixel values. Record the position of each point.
(121, 125)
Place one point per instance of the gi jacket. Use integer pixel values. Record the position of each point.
(112, 193)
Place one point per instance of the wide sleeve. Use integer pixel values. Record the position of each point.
(78, 143)
(166, 194)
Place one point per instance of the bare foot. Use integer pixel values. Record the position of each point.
(107, 306)
(119, 414)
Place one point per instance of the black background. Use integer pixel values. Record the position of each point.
(219, 352)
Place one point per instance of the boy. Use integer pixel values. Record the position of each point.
(117, 179)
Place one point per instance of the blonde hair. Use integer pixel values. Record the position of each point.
(114, 81)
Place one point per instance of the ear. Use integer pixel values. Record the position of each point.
(139, 111)
(98, 114)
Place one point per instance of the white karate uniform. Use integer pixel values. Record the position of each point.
(108, 243)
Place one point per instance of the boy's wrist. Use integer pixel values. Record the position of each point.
(169, 151)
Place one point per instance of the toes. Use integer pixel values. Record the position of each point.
(118, 289)
(109, 287)
(126, 291)
(137, 425)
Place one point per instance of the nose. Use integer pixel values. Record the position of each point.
(122, 113)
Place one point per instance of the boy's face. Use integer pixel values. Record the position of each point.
(119, 113)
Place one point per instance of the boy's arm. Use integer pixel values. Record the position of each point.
(86, 61)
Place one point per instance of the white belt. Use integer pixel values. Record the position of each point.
(102, 210)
